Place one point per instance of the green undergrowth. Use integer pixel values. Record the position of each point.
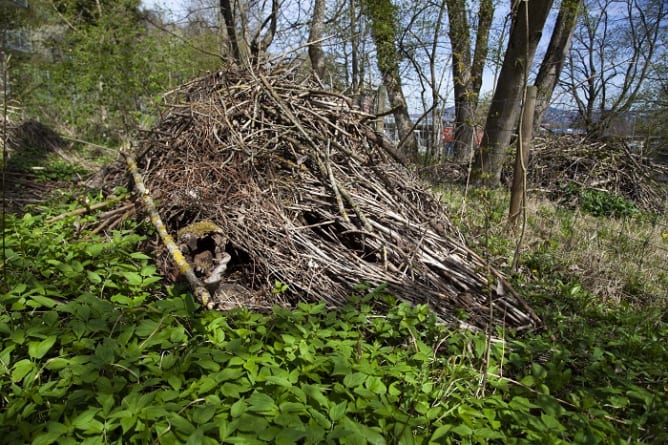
(96, 348)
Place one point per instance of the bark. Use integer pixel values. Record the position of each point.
(467, 71)
(315, 51)
(527, 26)
(553, 62)
(354, 57)
(518, 189)
(382, 18)
(230, 27)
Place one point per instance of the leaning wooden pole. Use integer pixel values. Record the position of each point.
(200, 291)
(518, 189)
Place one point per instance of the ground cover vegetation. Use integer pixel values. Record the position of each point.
(97, 348)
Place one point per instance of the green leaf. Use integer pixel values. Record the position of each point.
(146, 327)
(95, 249)
(181, 424)
(337, 411)
(94, 277)
(262, 403)
(488, 434)
(292, 408)
(21, 368)
(174, 381)
(238, 408)
(354, 379)
(375, 384)
(462, 430)
(252, 423)
(122, 300)
(39, 349)
(133, 278)
(41, 301)
(54, 432)
(233, 390)
(86, 421)
(440, 432)
(19, 289)
(551, 422)
(206, 384)
(316, 394)
(289, 436)
(203, 414)
(280, 381)
(528, 381)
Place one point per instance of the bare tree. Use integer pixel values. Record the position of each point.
(420, 45)
(238, 28)
(555, 57)
(528, 20)
(613, 50)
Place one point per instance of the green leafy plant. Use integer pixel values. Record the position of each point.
(96, 348)
(602, 203)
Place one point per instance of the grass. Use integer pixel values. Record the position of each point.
(617, 259)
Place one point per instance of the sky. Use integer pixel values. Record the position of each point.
(175, 6)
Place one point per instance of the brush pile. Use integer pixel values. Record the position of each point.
(27, 145)
(560, 165)
(287, 190)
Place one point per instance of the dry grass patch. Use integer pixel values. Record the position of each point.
(616, 259)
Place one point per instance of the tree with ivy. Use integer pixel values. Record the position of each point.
(382, 16)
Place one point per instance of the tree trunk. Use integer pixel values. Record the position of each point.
(525, 32)
(553, 62)
(382, 18)
(315, 51)
(230, 27)
(467, 72)
(354, 42)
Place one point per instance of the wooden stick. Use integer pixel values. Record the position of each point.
(83, 210)
(199, 289)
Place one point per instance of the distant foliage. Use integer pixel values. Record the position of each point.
(100, 67)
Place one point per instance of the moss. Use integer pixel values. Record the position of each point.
(200, 228)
